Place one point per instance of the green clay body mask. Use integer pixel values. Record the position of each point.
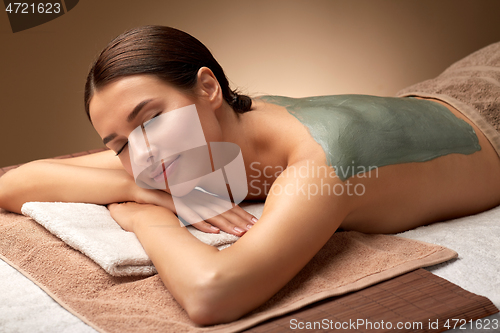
(359, 132)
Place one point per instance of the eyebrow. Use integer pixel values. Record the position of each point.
(130, 117)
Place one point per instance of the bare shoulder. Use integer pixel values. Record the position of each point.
(105, 160)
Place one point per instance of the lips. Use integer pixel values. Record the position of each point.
(159, 174)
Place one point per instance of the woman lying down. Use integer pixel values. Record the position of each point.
(185, 147)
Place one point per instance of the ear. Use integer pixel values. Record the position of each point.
(208, 87)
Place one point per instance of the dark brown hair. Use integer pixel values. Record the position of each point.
(167, 53)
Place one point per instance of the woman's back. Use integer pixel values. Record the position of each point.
(402, 162)
(361, 132)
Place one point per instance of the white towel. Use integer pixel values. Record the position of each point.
(91, 230)
(475, 238)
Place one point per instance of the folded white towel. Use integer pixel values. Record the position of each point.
(91, 230)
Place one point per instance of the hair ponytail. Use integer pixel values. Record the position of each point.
(240, 103)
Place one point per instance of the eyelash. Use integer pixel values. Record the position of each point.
(121, 149)
(126, 144)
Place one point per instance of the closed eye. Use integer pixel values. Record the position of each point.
(147, 122)
(121, 149)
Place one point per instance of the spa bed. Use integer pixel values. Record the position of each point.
(24, 307)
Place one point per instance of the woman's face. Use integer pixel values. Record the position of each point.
(152, 126)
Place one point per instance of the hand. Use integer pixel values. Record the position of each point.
(210, 213)
(127, 214)
(205, 212)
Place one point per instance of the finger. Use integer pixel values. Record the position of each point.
(197, 220)
(206, 227)
(111, 205)
(221, 206)
(244, 214)
(241, 220)
(216, 222)
(243, 223)
(225, 225)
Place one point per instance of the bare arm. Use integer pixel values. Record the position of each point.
(100, 179)
(219, 286)
(97, 178)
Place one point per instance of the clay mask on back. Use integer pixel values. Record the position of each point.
(360, 132)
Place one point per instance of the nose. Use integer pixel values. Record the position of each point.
(144, 156)
(142, 153)
(140, 156)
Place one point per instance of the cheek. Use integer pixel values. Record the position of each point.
(171, 133)
(125, 159)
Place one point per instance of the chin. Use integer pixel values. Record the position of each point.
(182, 189)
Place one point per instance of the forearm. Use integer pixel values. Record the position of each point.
(220, 286)
(211, 285)
(182, 260)
(48, 181)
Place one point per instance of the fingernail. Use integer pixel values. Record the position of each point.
(238, 230)
(249, 226)
(214, 228)
(254, 219)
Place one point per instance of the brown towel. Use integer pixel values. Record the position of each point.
(472, 86)
(348, 262)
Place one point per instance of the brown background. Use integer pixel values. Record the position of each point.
(294, 48)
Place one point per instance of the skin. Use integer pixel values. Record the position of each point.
(221, 286)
